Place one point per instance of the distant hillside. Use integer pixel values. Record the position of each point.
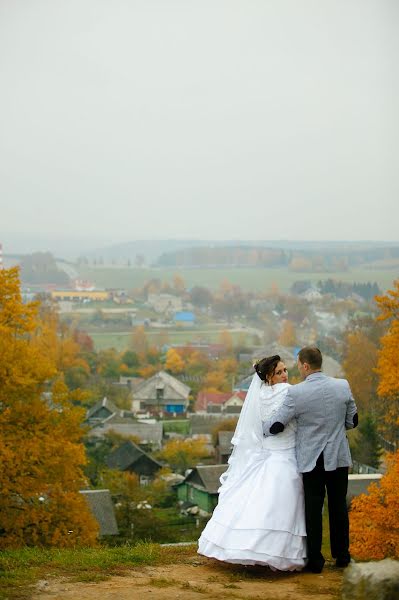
(166, 252)
(301, 259)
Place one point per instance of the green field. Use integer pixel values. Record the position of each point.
(250, 279)
(120, 341)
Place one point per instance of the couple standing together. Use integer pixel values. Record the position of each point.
(289, 447)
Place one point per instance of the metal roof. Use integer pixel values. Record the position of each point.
(102, 508)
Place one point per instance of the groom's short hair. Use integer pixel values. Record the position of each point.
(312, 356)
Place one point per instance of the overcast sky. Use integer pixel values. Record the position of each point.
(251, 119)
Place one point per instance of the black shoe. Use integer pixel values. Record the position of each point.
(342, 563)
(314, 567)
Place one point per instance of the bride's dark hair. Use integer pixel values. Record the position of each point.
(265, 367)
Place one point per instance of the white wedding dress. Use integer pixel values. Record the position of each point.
(260, 517)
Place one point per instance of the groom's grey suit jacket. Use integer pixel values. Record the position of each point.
(323, 408)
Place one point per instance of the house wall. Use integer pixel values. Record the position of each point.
(201, 498)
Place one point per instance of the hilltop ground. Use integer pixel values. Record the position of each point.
(194, 577)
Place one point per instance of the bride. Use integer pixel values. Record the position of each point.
(260, 517)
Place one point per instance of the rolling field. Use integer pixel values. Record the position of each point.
(250, 279)
(120, 341)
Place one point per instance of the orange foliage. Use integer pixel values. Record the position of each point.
(41, 454)
(148, 371)
(226, 339)
(388, 359)
(139, 340)
(287, 336)
(374, 517)
(179, 283)
(359, 368)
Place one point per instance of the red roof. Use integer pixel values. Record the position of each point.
(205, 398)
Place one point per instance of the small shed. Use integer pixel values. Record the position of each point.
(102, 508)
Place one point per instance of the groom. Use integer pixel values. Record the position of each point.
(324, 408)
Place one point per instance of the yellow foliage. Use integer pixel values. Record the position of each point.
(55, 339)
(388, 360)
(41, 454)
(216, 381)
(228, 366)
(374, 517)
(174, 362)
(182, 454)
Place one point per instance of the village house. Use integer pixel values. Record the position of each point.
(100, 411)
(104, 417)
(130, 458)
(200, 488)
(220, 402)
(161, 394)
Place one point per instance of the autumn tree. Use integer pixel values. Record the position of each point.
(360, 359)
(374, 517)
(135, 505)
(139, 340)
(287, 336)
(174, 362)
(179, 285)
(182, 454)
(388, 363)
(226, 339)
(216, 381)
(131, 360)
(41, 454)
(60, 341)
(200, 296)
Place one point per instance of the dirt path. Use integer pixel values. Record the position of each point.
(198, 578)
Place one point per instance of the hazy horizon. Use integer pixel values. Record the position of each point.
(220, 120)
(73, 248)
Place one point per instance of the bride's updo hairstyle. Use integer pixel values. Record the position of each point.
(265, 367)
